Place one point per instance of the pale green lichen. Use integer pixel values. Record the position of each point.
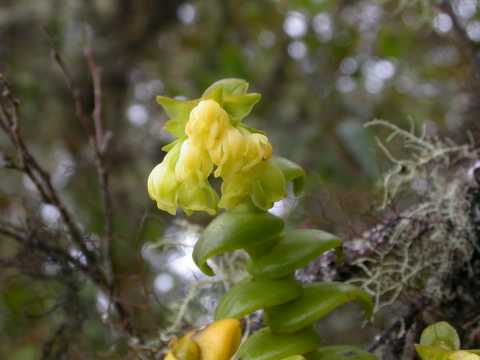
(415, 250)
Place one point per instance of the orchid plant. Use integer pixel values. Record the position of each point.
(212, 140)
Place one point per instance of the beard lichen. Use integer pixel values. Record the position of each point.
(415, 251)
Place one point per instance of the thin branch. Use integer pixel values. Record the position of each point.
(100, 142)
(9, 122)
(37, 174)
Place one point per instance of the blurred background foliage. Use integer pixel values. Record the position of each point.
(323, 67)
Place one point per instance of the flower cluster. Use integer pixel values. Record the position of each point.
(212, 140)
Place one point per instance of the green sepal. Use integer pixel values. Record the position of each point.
(229, 87)
(234, 230)
(240, 106)
(427, 352)
(317, 301)
(292, 172)
(170, 146)
(441, 334)
(250, 296)
(294, 250)
(178, 111)
(340, 352)
(232, 95)
(263, 345)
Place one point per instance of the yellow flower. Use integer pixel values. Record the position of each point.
(264, 184)
(193, 162)
(229, 155)
(178, 181)
(162, 183)
(258, 149)
(218, 341)
(207, 124)
(211, 138)
(197, 196)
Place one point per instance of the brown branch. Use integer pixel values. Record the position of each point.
(32, 168)
(10, 124)
(100, 142)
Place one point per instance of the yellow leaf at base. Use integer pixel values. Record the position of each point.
(219, 340)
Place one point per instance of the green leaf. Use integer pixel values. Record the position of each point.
(357, 141)
(240, 106)
(340, 352)
(235, 230)
(294, 250)
(427, 352)
(263, 345)
(294, 357)
(231, 86)
(292, 172)
(441, 334)
(178, 111)
(317, 301)
(249, 296)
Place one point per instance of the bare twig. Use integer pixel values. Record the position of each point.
(100, 142)
(29, 165)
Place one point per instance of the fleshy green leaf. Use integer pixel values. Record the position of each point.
(359, 144)
(263, 345)
(427, 352)
(240, 106)
(292, 172)
(441, 334)
(317, 301)
(178, 111)
(235, 230)
(339, 353)
(294, 250)
(230, 87)
(249, 296)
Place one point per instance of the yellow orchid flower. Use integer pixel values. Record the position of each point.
(162, 183)
(172, 184)
(193, 162)
(218, 341)
(207, 124)
(211, 138)
(197, 196)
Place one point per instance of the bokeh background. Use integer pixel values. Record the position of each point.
(324, 68)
